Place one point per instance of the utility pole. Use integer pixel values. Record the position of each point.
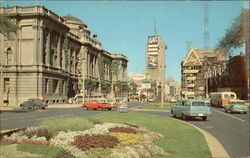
(163, 75)
(206, 32)
(1, 97)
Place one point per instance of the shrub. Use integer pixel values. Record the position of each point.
(95, 141)
(140, 150)
(122, 130)
(38, 132)
(126, 138)
(67, 124)
(95, 121)
(64, 154)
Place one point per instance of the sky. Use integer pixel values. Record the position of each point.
(124, 26)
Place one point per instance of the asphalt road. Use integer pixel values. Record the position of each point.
(232, 130)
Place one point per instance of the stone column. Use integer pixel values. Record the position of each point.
(41, 45)
(59, 49)
(48, 47)
(74, 62)
(69, 59)
(35, 45)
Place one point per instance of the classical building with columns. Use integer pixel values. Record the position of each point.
(53, 57)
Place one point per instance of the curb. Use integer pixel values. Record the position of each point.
(215, 147)
(135, 109)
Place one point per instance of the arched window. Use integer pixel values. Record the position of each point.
(9, 56)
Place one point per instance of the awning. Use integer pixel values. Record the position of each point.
(190, 71)
(191, 85)
(191, 78)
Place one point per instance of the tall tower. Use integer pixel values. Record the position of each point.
(155, 61)
(206, 32)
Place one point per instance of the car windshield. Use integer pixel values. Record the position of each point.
(198, 104)
(103, 101)
(238, 102)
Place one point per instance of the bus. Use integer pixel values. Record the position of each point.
(219, 99)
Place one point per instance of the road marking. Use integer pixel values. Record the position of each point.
(13, 118)
(52, 117)
(229, 115)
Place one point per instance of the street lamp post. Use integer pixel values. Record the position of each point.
(1, 71)
(163, 76)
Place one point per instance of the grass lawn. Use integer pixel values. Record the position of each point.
(180, 140)
(46, 151)
(154, 107)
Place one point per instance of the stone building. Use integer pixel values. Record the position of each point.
(194, 83)
(50, 57)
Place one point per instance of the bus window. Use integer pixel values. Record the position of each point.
(226, 96)
(186, 103)
(229, 96)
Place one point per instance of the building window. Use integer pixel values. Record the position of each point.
(9, 56)
(6, 84)
(62, 92)
(55, 86)
(46, 86)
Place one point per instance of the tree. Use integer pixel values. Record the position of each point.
(235, 35)
(7, 26)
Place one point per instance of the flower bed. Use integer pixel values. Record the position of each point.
(109, 139)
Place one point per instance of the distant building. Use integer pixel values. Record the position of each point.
(193, 71)
(54, 58)
(145, 87)
(233, 78)
(172, 89)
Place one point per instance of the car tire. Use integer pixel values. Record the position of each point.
(183, 116)
(85, 108)
(204, 118)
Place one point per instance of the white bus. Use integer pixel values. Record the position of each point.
(219, 99)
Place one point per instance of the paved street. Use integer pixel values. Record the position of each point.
(232, 130)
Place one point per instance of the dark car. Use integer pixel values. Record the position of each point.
(33, 103)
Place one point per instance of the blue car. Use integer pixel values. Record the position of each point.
(191, 108)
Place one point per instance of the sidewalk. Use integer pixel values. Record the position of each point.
(13, 108)
(9, 108)
(64, 106)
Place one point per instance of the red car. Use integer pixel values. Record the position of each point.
(99, 104)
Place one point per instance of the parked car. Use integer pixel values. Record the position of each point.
(207, 102)
(236, 106)
(151, 99)
(191, 108)
(98, 104)
(34, 103)
(112, 103)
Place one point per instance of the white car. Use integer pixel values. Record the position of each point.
(123, 107)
